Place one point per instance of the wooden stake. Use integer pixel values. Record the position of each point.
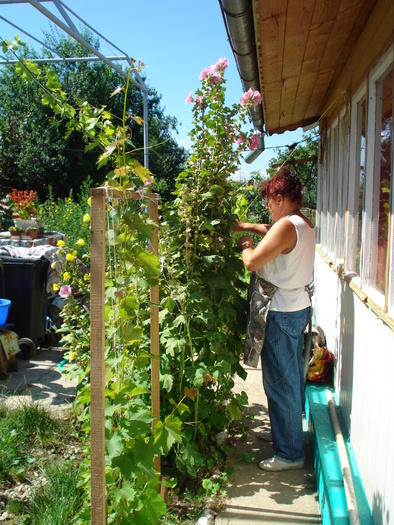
(97, 364)
(154, 333)
(97, 344)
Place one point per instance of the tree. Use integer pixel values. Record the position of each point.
(34, 150)
(307, 148)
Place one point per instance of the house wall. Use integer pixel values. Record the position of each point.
(356, 316)
(363, 347)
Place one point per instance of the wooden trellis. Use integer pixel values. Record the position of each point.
(97, 341)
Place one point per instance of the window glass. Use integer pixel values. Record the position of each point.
(361, 158)
(385, 120)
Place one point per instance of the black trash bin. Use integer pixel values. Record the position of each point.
(24, 283)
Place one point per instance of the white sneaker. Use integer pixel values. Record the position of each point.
(265, 435)
(276, 464)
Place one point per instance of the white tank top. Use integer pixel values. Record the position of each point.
(291, 272)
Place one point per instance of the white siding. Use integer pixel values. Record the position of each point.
(364, 365)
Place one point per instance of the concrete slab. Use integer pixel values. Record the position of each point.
(38, 379)
(256, 496)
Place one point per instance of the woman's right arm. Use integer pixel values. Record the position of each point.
(250, 227)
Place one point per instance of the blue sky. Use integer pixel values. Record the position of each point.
(176, 39)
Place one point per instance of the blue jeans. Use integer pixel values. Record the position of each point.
(283, 380)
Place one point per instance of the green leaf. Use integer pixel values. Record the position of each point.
(133, 333)
(125, 492)
(152, 510)
(147, 260)
(212, 259)
(114, 445)
(165, 435)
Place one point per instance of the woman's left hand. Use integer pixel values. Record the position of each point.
(246, 241)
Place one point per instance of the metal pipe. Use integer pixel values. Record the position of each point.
(346, 472)
(59, 60)
(238, 19)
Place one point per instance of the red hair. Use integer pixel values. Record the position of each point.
(285, 183)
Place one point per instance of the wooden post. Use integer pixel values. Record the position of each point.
(97, 344)
(97, 363)
(154, 332)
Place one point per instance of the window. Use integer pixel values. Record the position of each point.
(378, 189)
(361, 160)
(357, 171)
(341, 176)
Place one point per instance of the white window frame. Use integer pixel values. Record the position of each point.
(372, 182)
(341, 183)
(332, 188)
(354, 185)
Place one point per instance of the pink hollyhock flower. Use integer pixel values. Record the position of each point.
(252, 94)
(207, 72)
(240, 140)
(220, 239)
(65, 291)
(198, 101)
(148, 182)
(189, 98)
(254, 142)
(216, 78)
(256, 98)
(246, 96)
(221, 65)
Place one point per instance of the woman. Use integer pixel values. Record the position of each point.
(285, 258)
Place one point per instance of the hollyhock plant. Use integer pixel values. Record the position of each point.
(251, 95)
(201, 295)
(254, 142)
(189, 98)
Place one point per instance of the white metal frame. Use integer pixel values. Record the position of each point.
(68, 26)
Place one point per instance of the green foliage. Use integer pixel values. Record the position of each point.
(202, 308)
(36, 149)
(307, 172)
(66, 215)
(23, 432)
(59, 500)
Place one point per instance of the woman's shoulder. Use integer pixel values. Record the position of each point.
(299, 219)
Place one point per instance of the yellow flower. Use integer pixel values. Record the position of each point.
(61, 243)
(53, 266)
(56, 287)
(86, 277)
(70, 257)
(80, 242)
(89, 201)
(86, 217)
(66, 276)
(71, 355)
(74, 252)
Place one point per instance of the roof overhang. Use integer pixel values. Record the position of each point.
(293, 52)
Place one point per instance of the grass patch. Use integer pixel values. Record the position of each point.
(58, 501)
(41, 453)
(25, 432)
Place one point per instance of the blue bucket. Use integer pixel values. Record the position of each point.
(4, 308)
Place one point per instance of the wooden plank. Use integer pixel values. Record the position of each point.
(376, 36)
(272, 19)
(97, 341)
(308, 100)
